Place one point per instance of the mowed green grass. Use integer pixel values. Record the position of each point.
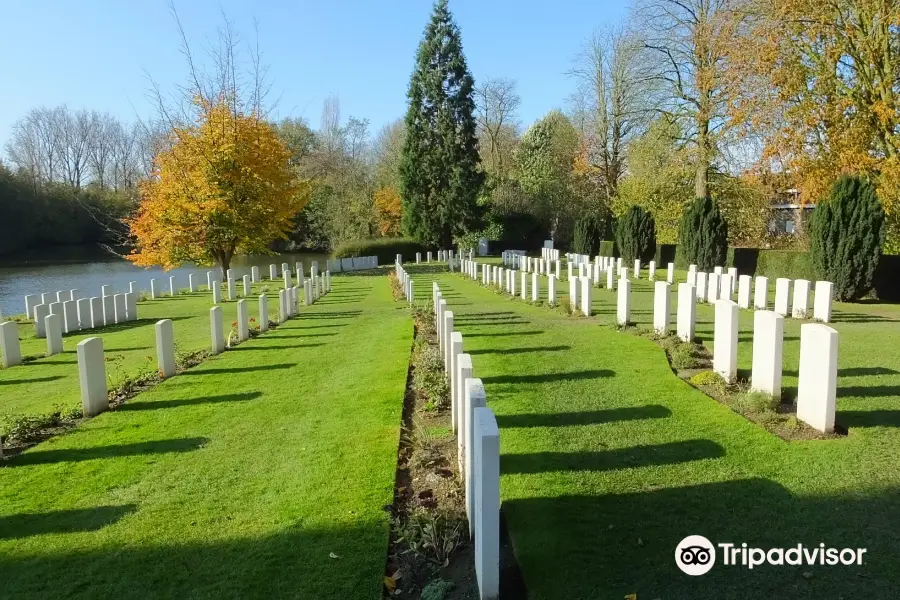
(39, 386)
(608, 460)
(262, 473)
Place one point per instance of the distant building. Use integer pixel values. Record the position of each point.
(789, 215)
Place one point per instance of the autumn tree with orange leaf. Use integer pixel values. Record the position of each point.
(223, 183)
(224, 186)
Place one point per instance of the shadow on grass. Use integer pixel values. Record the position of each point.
(61, 521)
(32, 380)
(493, 323)
(224, 371)
(549, 377)
(130, 349)
(123, 326)
(301, 335)
(608, 460)
(506, 333)
(491, 315)
(612, 543)
(520, 350)
(162, 404)
(266, 565)
(590, 417)
(245, 348)
(868, 391)
(868, 418)
(853, 317)
(43, 457)
(347, 314)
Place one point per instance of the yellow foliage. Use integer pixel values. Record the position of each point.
(389, 210)
(222, 186)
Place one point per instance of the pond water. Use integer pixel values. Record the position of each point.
(87, 273)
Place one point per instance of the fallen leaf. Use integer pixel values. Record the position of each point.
(333, 555)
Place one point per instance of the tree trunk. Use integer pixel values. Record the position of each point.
(701, 181)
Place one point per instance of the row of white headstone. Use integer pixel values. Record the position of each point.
(549, 253)
(817, 384)
(356, 263)
(406, 283)
(478, 449)
(722, 286)
(92, 366)
(442, 256)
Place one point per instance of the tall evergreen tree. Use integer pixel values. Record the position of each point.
(703, 238)
(440, 176)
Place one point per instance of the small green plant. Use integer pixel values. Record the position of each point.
(709, 379)
(433, 535)
(428, 373)
(793, 423)
(436, 590)
(756, 402)
(682, 356)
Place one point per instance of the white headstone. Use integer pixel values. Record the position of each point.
(732, 272)
(31, 300)
(768, 341)
(487, 503)
(800, 308)
(216, 330)
(217, 292)
(119, 308)
(623, 304)
(725, 287)
(232, 291)
(822, 302)
(761, 293)
(586, 296)
(448, 338)
(263, 313)
(109, 310)
(670, 273)
(817, 382)
(53, 327)
(92, 376)
(473, 397)
(687, 311)
(573, 294)
(610, 278)
(523, 278)
(456, 348)
(165, 348)
(192, 285)
(725, 339)
(154, 292)
(651, 271)
(782, 296)
(96, 312)
(83, 308)
(637, 269)
(10, 350)
(40, 313)
(712, 287)
(744, 284)
(131, 311)
(70, 317)
(254, 273)
(717, 271)
(247, 285)
(661, 307)
(243, 319)
(700, 285)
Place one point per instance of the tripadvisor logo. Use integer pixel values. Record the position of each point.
(696, 555)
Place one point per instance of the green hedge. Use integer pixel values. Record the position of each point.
(386, 249)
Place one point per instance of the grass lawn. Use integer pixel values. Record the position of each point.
(608, 460)
(37, 387)
(261, 473)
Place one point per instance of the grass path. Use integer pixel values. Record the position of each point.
(261, 473)
(608, 460)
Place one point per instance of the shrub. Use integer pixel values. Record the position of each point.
(636, 235)
(708, 378)
(436, 590)
(588, 232)
(757, 402)
(386, 249)
(683, 357)
(703, 239)
(608, 248)
(846, 235)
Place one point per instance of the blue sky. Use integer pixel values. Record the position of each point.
(95, 53)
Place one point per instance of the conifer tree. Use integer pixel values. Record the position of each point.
(636, 235)
(703, 238)
(846, 235)
(440, 175)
